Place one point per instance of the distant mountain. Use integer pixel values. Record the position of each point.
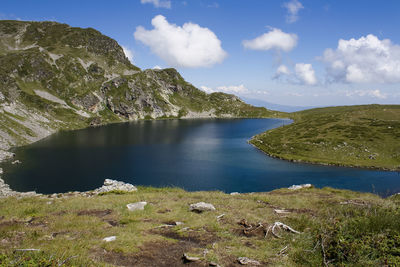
(268, 105)
(53, 76)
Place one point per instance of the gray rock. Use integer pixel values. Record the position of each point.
(136, 206)
(297, 187)
(201, 206)
(110, 238)
(113, 185)
(247, 261)
(188, 258)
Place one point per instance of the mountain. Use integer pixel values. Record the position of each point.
(278, 107)
(54, 77)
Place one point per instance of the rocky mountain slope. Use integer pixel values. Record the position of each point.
(53, 76)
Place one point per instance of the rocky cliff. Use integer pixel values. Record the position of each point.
(53, 76)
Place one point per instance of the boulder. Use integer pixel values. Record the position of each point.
(297, 187)
(113, 185)
(136, 206)
(201, 206)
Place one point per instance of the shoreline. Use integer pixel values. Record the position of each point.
(6, 154)
(323, 163)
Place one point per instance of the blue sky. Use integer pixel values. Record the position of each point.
(292, 54)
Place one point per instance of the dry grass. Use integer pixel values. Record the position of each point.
(71, 229)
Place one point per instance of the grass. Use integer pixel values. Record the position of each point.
(338, 227)
(363, 136)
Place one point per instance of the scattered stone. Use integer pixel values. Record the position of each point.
(201, 206)
(110, 238)
(281, 211)
(297, 187)
(6, 191)
(4, 155)
(171, 224)
(113, 185)
(1, 171)
(220, 216)
(136, 206)
(247, 261)
(212, 264)
(187, 258)
(16, 162)
(234, 193)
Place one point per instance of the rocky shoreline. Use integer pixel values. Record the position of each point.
(108, 186)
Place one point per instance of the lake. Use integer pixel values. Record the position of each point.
(203, 154)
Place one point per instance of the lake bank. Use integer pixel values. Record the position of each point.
(190, 154)
(353, 136)
(99, 230)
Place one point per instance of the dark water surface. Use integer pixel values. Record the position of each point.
(192, 154)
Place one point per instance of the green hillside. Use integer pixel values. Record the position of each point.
(364, 136)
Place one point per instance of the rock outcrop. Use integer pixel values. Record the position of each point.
(114, 185)
(201, 206)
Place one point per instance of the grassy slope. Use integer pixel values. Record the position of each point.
(365, 136)
(362, 232)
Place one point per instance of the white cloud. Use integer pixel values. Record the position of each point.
(231, 89)
(213, 5)
(274, 39)
(128, 53)
(293, 7)
(186, 46)
(206, 89)
(282, 70)
(157, 3)
(238, 90)
(364, 60)
(369, 93)
(156, 67)
(305, 73)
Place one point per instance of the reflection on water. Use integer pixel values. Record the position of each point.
(193, 154)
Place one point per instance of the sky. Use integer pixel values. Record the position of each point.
(291, 52)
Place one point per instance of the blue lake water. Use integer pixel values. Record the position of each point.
(210, 154)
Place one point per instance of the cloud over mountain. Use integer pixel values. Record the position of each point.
(182, 46)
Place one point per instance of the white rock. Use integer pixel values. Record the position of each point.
(190, 258)
(110, 238)
(296, 187)
(136, 206)
(113, 185)
(247, 261)
(234, 193)
(201, 206)
(277, 211)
